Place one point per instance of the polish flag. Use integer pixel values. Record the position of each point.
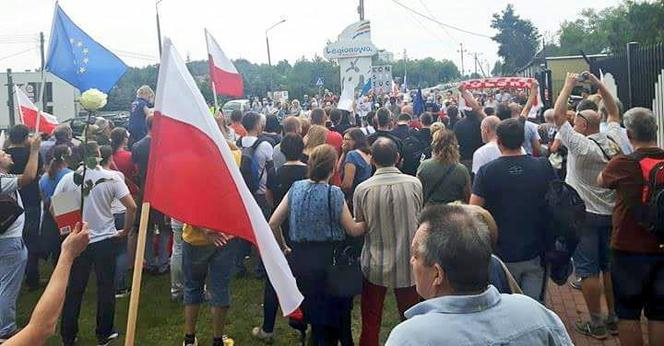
(28, 114)
(195, 180)
(227, 81)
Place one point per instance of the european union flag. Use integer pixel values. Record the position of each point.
(366, 88)
(418, 103)
(78, 59)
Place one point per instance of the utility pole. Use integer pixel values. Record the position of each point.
(10, 98)
(475, 56)
(462, 51)
(43, 65)
(360, 9)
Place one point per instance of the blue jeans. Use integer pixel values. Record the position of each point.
(592, 253)
(197, 262)
(177, 280)
(122, 258)
(13, 257)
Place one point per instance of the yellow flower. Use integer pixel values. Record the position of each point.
(93, 100)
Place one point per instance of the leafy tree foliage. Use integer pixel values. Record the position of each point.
(517, 38)
(299, 79)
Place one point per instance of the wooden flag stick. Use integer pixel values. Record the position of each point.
(138, 274)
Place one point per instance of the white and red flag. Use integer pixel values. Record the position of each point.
(195, 179)
(223, 74)
(29, 113)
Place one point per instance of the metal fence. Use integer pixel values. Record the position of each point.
(639, 78)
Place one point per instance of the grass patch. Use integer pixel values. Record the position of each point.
(161, 322)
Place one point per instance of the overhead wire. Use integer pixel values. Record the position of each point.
(17, 53)
(426, 8)
(439, 22)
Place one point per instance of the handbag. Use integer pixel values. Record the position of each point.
(344, 276)
(9, 211)
(430, 192)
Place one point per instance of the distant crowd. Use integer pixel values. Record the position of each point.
(457, 201)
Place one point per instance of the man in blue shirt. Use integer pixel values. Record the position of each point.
(140, 109)
(450, 253)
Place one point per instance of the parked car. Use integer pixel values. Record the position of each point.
(77, 124)
(230, 106)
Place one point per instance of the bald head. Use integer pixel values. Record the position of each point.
(591, 119)
(489, 125)
(515, 108)
(384, 152)
(548, 116)
(407, 109)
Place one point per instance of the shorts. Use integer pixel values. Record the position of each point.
(638, 284)
(592, 252)
(197, 262)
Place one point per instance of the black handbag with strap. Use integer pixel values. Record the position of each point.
(10, 211)
(430, 192)
(344, 276)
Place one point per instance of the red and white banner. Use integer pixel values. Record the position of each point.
(197, 181)
(223, 74)
(28, 114)
(67, 210)
(498, 82)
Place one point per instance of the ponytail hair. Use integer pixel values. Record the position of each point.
(118, 136)
(61, 153)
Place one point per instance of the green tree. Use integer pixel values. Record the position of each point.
(610, 29)
(518, 39)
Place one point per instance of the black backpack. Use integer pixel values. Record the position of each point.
(650, 213)
(414, 151)
(567, 213)
(249, 168)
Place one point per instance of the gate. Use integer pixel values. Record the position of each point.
(638, 74)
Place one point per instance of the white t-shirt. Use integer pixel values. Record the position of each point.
(97, 210)
(9, 186)
(116, 206)
(485, 154)
(262, 155)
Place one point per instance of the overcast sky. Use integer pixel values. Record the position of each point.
(128, 26)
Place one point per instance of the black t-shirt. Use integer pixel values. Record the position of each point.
(469, 136)
(140, 154)
(29, 193)
(285, 177)
(513, 188)
(402, 131)
(382, 133)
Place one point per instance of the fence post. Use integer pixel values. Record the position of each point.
(631, 51)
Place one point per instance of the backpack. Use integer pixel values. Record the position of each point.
(567, 212)
(414, 151)
(249, 167)
(650, 213)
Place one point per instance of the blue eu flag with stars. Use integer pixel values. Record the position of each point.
(78, 59)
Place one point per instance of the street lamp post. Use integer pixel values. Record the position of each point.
(267, 40)
(156, 7)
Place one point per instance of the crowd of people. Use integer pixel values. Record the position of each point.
(446, 205)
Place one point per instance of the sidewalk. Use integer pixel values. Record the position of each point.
(568, 303)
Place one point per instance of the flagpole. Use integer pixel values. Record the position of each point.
(214, 92)
(137, 276)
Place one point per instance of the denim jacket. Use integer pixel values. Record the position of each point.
(489, 318)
